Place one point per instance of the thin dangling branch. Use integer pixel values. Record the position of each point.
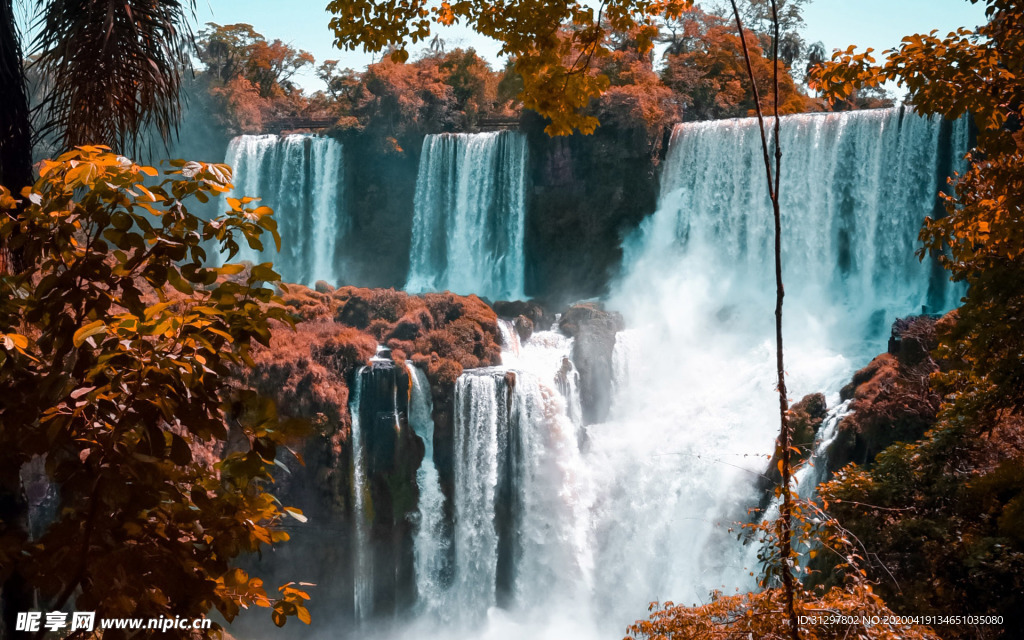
(784, 447)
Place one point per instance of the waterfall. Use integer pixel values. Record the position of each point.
(520, 528)
(855, 189)
(432, 541)
(469, 215)
(812, 472)
(362, 563)
(548, 355)
(695, 414)
(478, 411)
(301, 178)
(547, 538)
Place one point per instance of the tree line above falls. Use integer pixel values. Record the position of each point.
(700, 74)
(584, 193)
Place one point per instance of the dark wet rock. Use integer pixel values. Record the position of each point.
(593, 331)
(805, 419)
(535, 312)
(524, 327)
(323, 287)
(891, 398)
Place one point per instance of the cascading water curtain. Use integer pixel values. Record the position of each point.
(695, 380)
(549, 537)
(470, 215)
(301, 178)
(856, 188)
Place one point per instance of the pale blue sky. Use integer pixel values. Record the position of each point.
(836, 23)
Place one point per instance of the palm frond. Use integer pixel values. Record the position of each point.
(15, 131)
(112, 68)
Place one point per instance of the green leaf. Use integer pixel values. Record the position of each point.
(264, 272)
(181, 453)
(178, 282)
(87, 331)
(296, 513)
(231, 269)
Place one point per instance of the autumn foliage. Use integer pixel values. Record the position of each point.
(704, 67)
(759, 615)
(117, 349)
(337, 331)
(942, 514)
(578, 76)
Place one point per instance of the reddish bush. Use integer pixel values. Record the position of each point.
(307, 303)
(340, 329)
(437, 342)
(412, 324)
(443, 372)
(379, 328)
(405, 346)
(892, 398)
(345, 349)
(302, 385)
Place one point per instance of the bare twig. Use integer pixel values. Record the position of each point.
(785, 433)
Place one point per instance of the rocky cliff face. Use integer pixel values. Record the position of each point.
(380, 188)
(892, 398)
(310, 373)
(593, 330)
(393, 453)
(805, 419)
(891, 401)
(585, 194)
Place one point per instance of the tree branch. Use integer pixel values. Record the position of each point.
(785, 433)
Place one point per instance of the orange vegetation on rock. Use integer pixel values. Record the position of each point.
(337, 331)
(837, 614)
(892, 399)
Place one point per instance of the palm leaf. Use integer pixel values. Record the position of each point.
(15, 130)
(112, 68)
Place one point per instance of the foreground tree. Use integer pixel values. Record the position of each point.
(117, 351)
(706, 68)
(111, 70)
(944, 515)
(15, 127)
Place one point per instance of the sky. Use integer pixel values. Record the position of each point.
(836, 23)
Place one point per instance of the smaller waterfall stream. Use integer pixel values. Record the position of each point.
(811, 472)
(301, 178)
(363, 573)
(432, 542)
(520, 530)
(469, 215)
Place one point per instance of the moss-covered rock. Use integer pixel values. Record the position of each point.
(891, 398)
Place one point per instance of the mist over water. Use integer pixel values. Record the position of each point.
(566, 529)
(643, 511)
(695, 418)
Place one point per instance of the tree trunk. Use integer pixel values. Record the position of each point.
(785, 441)
(15, 123)
(15, 173)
